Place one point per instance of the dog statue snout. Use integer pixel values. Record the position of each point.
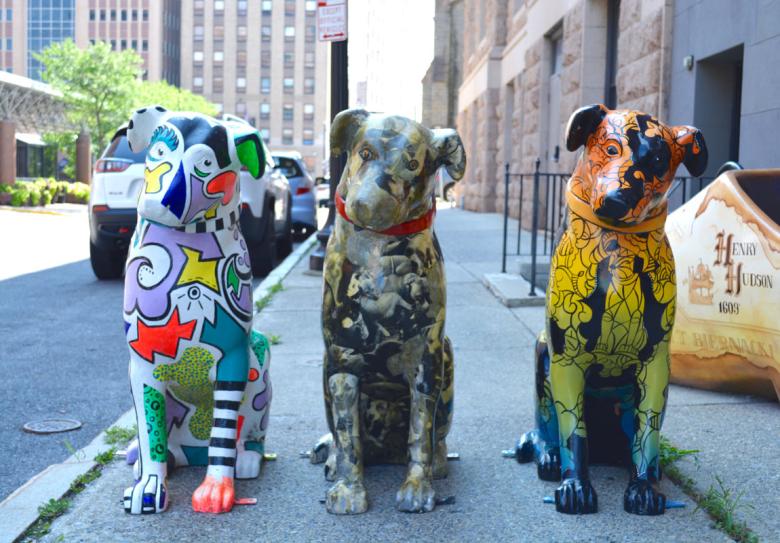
(614, 207)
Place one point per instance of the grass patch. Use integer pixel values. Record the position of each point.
(119, 435)
(263, 302)
(52, 509)
(719, 502)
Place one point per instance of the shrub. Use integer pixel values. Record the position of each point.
(20, 195)
(78, 193)
(35, 196)
(5, 188)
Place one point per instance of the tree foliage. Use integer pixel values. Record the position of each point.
(170, 97)
(97, 84)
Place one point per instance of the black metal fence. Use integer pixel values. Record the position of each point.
(540, 216)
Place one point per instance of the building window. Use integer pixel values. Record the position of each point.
(287, 136)
(289, 32)
(311, 33)
(308, 59)
(242, 7)
(265, 59)
(265, 111)
(9, 15)
(240, 108)
(134, 15)
(123, 44)
(219, 56)
(267, 6)
(311, 7)
(241, 58)
(308, 111)
(265, 85)
(219, 31)
(197, 82)
(217, 84)
(308, 137)
(241, 83)
(289, 59)
(9, 44)
(289, 85)
(266, 33)
(265, 134)
(123, 15)
(288, 112)
(145, 45)
(219, 5)
(199, 5)
(308, 85)
(241, 32)
(289, 8)
(113, 15)
(134, 44)
(197, 56)
(92, 15)
(145, 15)
(102, 15)
(198, 32)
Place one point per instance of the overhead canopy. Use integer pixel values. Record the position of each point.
(33, 106)
(30, 139)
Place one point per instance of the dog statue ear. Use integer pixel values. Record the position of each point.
(252, 152)
(582, 124)
(142, 125)
(692, 140)
(449, 152)
(343, 129)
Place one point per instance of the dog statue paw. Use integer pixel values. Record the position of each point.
(576, 497)
(602, 363)
(199, 376)
(388, 364)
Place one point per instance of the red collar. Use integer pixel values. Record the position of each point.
(404, 229)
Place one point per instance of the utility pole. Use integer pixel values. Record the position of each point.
(332, 23)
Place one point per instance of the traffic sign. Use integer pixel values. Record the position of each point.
(332, 20)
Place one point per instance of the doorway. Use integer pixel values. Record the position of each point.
(553, 143)
(718, 105)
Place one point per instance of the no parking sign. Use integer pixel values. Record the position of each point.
(332, 20)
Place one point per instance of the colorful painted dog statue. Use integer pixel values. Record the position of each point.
(388, 368)
(602, 364)
(199, 378)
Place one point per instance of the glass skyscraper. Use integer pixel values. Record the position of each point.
(48, 21)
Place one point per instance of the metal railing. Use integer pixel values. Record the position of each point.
(540, 216)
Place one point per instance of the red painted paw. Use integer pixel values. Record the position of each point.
(214, 495)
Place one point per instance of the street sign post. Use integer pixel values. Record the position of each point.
(332, 20)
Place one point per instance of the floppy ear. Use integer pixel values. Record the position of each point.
(142, 125)
(582, 124)
(343, 129)
(692, 140)
(449, 151)
(252, 152)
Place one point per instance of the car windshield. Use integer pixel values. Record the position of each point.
(288, 167)
(119, 148)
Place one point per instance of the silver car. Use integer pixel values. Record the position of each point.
(304, 202)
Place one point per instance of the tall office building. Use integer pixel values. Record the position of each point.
(260, 60)
(150, 27)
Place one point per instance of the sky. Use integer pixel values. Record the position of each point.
(390, 49)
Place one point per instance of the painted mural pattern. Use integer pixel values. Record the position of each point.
(603, 361)
(200, 381)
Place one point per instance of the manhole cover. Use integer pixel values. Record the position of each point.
(51, 426)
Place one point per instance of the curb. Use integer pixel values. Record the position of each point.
(20, 509)
(512, 290)
(283, 270)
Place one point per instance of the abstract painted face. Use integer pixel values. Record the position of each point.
(391, 165)
(192, 163)
(630, 160)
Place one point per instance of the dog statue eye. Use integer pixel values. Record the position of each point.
(612, 150)
(366, 154)
(413, 164)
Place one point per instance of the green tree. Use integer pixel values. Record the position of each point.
(170, 97)
(97, 85)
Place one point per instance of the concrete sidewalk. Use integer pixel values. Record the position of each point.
(495, 498)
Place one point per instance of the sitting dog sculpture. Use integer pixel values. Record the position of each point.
(388, 368)
(201, 391)
(602, 364)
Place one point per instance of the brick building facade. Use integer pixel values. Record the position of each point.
(530, 63)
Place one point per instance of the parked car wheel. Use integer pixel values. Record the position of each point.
(284, 244)
(262, 255)
(106, 264)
